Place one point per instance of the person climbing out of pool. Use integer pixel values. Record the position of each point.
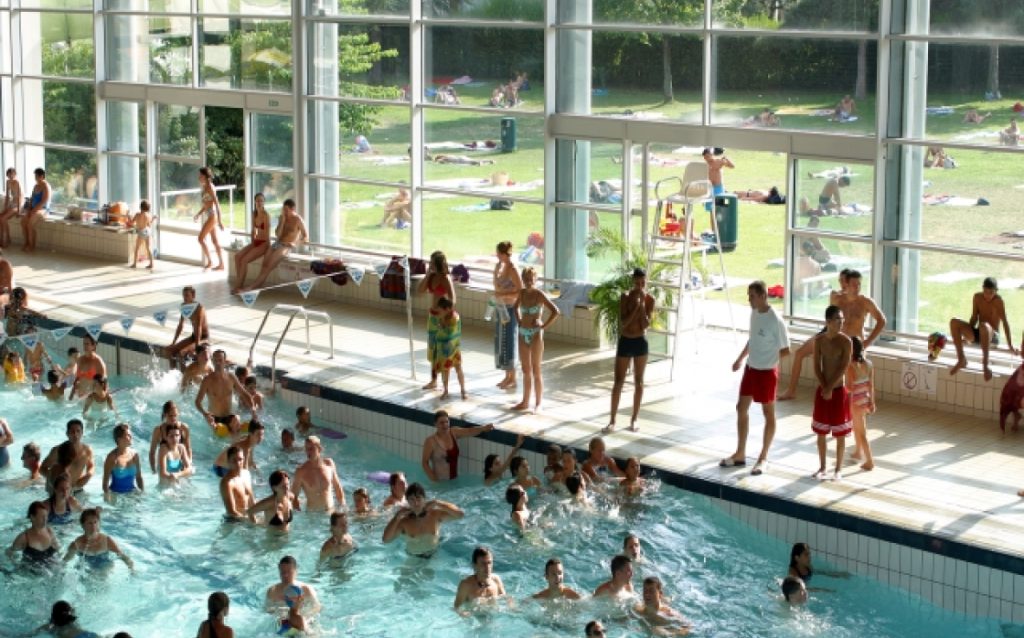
(554, 574)
(294, 598)
(516, 496)
(599, 465)
(122, 470)
(483, 583)
(278, 508)
(100, 395)
(340, 544)
(988, 313)
(657, 614)
(635, 310)
(832, 355)
(794, 591)
(216, 612)
(420, 522)
(397, 488)
(247, 444)
(218, 387)
(621, 582)
(194, 372)
(88, 367)
(38, 544)
(236, 487)
(440, 457)
(64, 623)
(77, 461)
(94, 546)
(173, 461)
(62, 504)
(179, 349)
(494, 467)
(632, 483)
(318, 479)
(631, 548)
(767, 344)
(169, 416)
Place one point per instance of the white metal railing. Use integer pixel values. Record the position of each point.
(230, 188)
(295, 311)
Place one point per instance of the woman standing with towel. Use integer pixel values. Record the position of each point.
(507, 284)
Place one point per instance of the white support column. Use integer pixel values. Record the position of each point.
(417, 68)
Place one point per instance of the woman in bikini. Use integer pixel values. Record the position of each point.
(11, 207)
(440, 457)
(438, 283)
(37, 208)
(173, 462)
(277, 508)
(169, 417)
(210, 211)
(257, 248)
(529, 311)
(507, 285)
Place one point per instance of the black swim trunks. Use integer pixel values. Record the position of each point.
(225, 420)
(631, 347)
(977, 335)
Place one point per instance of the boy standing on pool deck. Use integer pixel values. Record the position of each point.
(767, 344)
(141, 222)
(832, 353)
(987, 313)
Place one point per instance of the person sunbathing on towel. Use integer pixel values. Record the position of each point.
(442, 158)
(972, 117)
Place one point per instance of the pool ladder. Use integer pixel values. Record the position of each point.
(295, 311)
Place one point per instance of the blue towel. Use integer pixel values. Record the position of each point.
(573, 293)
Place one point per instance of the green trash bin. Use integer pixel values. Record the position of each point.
(508, 134)
(727, 213)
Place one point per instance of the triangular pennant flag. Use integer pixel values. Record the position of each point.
(94, 330)
(405, 262)
(249, 297)
(356, 273)
(188, 308)
(127, 323)
(160, 316)
(60, 333)
(305, 285)
(30, 340)
(381, 269)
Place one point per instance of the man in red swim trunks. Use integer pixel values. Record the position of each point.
(832, 353)
(768, 342)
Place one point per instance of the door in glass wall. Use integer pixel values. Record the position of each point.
(179, 156)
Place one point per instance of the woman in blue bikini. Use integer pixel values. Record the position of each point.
(529, 311)
(210, 211)
(173, 461)
(122, 470)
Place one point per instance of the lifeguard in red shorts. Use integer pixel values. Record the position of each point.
(768, 342)
(832, 353)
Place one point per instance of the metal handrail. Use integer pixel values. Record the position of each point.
(295, 310)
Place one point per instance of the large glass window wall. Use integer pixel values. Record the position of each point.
(499, 129)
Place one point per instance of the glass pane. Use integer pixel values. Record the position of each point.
(170, 50)
(6, 108)
(5, 36)
(502, 68)
(275, 186)
(682, 13)
(357, 7)
(179, 192)
(374, 142)
(126, 127)
(247, 7)
(57, 44)
(965, 93)
(934, 287)
(521, 11)
(154, 6)
(641, 82)
(248, 54)
(598, 178)
(271, 139)
(71, 174)
(975, 203)
(178, 130)
(68, 112)
(467, 230)
(836, 198)
(57, 4)
(364, 61)
(465, 151)
(816, 85)
(813, 279)
(849, 15)
(352, 216)
(983, 19)
(126, 179)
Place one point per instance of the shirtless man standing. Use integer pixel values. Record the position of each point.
(195, 371)
(987, 313)
(200, 330)
(832, 353)
(318, 477)
(291, 231)
(621, 581)
(89, 366)
(830, 199)
(236, 487)
(218, 386)
(420, 522)
(483, 583)
(247, 445)
(635, 309)
(81, 466)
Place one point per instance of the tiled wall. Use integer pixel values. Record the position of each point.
(577, 328)
(75, 238)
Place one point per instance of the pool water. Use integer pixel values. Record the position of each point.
(720, 574)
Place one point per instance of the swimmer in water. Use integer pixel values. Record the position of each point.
(420, 522)
(483, 583)
(93, 545)
(340, 544)
(64, 622)
(62, 504)
(553, 459)
(100, 395)
(318, 479)
(38, 544)
(194, 372)
(494, 468)
(31, 459)
(621, 582)
(794, 590)
(659, 616)
(599, 465)
(172, 459)
(79, 460)
(516, 496)
(217, 610)
(56, 391)
(236, 486)
(632, 484)
(577, 486)
(362, 499)
(122, 470)
(631, 547)
(397, 485)
(297, 597)
(278, 508)
(252, 387)
(303, 421)
(521, 473)
(288, 441)
(169, 416)
(247, 444)
(554, 574)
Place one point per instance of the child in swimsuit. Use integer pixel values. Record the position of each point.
(860, 379)
(447, 352)
(141, 222)
(14, 369)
